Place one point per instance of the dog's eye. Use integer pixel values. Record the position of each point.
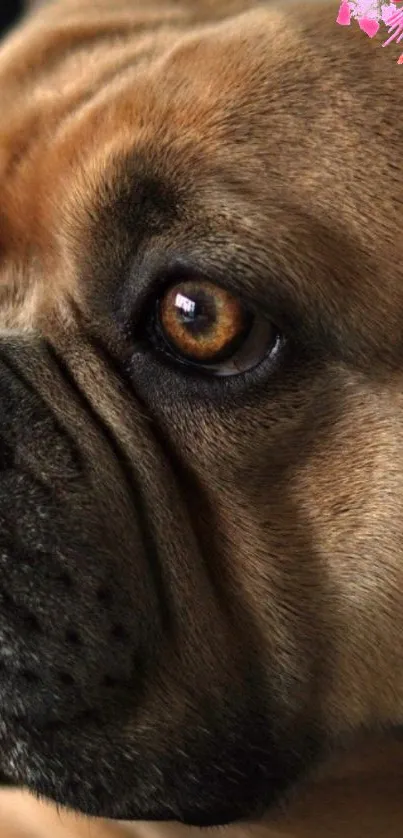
(199, 323)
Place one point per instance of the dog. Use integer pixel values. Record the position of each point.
(201, 408)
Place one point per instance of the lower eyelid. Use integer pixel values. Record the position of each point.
(228, 369)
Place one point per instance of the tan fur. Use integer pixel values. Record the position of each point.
(282, 131)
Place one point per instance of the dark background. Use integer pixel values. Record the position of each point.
(10, 11)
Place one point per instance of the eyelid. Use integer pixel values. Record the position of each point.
(155, 271)
(180, 271)
(152, 273)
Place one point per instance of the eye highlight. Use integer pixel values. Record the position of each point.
(199, 323)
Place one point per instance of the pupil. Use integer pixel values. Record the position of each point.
(196, 312)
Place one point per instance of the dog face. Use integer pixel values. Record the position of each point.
(201, 412)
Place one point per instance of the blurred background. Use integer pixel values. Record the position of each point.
(10, 11)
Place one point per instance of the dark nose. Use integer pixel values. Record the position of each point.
(69, 631)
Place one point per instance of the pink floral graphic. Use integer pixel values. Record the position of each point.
(344, 16)
(370, 15)
(395, 22)
(369, 26)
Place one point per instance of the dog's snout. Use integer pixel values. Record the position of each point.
(51, 664)
(32, 437)
(66, 646)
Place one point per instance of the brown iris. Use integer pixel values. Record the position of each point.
(202, 321)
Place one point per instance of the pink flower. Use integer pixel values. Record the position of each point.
(366, 8)
(395, 23)
(395, 17)
(369, 26)
(388, 10)
(344, 16)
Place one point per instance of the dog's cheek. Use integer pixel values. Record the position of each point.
(350, 493)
